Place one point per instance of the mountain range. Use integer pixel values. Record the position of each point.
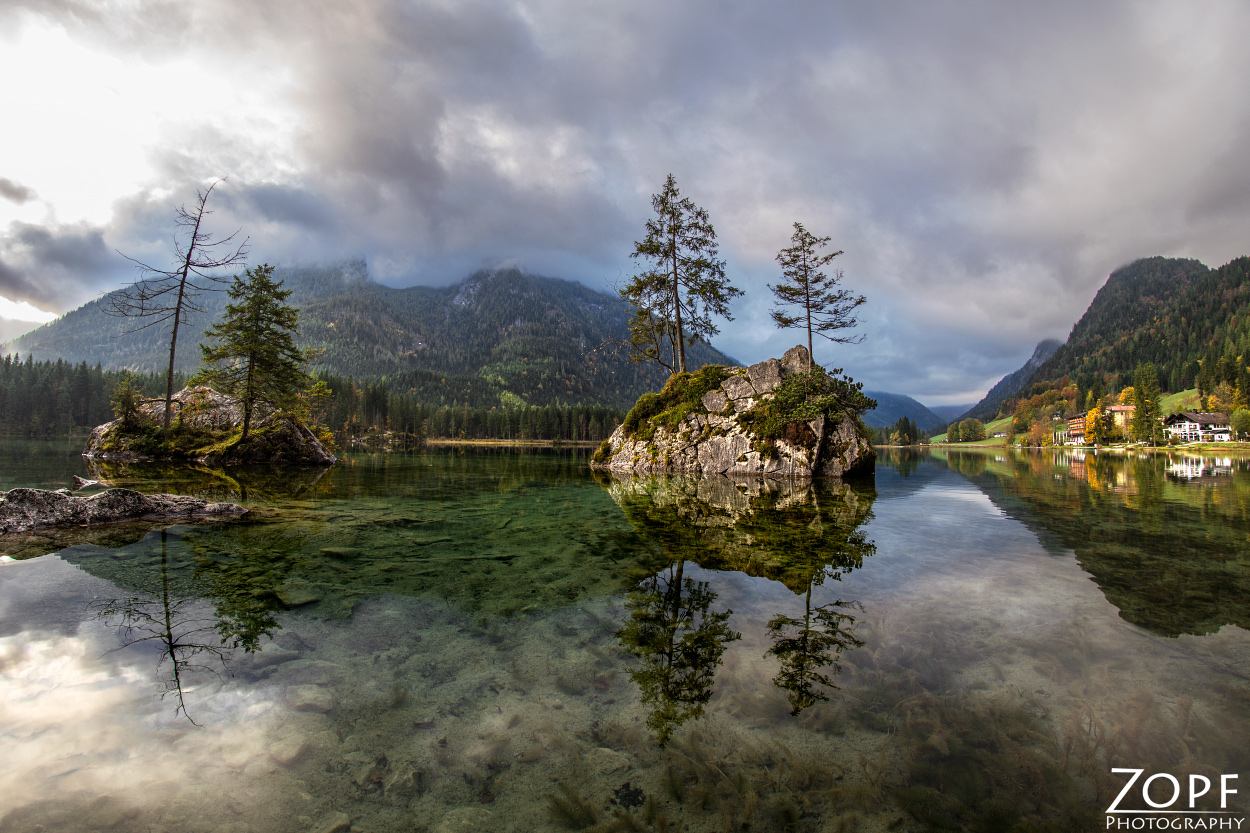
(499, 336)
(892, 406)
(1176, 313)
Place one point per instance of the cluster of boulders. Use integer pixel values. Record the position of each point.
(712, 439)
(23, 510)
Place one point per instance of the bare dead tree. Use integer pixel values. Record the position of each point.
(185, 639)
(168, 296)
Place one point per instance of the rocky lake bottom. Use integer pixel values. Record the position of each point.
(505, 641)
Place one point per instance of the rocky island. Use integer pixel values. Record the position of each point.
(772, 419)
(206, 427)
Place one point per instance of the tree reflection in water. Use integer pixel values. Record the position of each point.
(807, 645)
(798, 533)
(187, 642)
(680, 641)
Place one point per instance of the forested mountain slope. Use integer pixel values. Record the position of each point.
(498, 337)
(1162, 310)
(1190, 321)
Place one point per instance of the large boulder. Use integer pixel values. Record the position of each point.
(204, 417)
(279, 440)
(22, 510)
(714, 435)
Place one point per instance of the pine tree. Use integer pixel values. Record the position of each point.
(675, 299)
(254, 358)
(1146, 413)
(824, 307)
(126, 399)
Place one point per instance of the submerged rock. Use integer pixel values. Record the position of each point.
(22, 510)
(718, 432)
(310, 698)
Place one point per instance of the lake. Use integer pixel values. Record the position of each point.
(504, 640)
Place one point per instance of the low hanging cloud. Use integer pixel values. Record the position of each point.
(984, 166)
(50, 266)
(13, 192)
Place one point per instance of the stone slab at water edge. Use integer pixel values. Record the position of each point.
(22, 510)
(726, 420)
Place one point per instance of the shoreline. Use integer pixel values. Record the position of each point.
(1200, 448)
(518, 443)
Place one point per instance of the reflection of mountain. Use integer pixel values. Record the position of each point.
(796, 533)
(902, 472)
(1172, 556)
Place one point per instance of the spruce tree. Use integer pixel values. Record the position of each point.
(1146, 411)
(824, 307)
(254, 357)
(674, 300)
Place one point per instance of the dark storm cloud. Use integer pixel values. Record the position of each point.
(14, 192)
(984, 165)
(17, 287)
(50, 267)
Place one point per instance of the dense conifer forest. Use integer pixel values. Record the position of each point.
(499, 338)
(43, 400)
(55, 399)
(1173, 313)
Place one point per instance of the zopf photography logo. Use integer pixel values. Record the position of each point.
(1173, 807)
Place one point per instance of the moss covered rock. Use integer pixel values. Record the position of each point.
(206, 426)
(773, 419)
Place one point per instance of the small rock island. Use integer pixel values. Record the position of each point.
(772, 419)
(205, 428)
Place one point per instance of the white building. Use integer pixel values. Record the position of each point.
(1193, 427)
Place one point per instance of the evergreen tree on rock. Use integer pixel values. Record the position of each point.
(824, 307)
(675, 299)
(252, 354)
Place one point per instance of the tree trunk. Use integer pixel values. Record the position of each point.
(681, 339)
(173, 336)
(248, 397)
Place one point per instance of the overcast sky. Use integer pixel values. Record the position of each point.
(983, 165)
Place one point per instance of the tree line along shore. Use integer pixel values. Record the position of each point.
(56, 399)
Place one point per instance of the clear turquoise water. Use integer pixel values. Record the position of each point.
(507, 641)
